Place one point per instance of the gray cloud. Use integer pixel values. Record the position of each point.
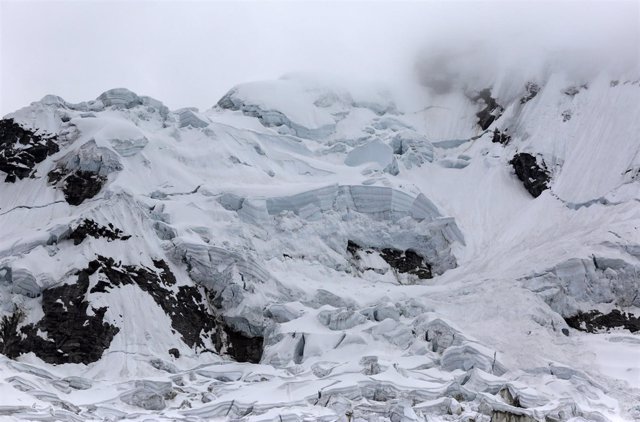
(191, 53)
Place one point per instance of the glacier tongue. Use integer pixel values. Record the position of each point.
(305, 250)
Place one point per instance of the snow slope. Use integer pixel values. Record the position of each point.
(306, 250)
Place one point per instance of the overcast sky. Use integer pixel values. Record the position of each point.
(191, 53)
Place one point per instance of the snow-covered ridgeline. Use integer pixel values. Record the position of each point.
(272, 257)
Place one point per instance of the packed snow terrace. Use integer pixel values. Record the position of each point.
(309, 251)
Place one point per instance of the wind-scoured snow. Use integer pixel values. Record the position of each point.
(304, 250)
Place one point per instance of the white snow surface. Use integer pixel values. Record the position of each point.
(257, 200)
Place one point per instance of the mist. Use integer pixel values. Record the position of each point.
(191, 53)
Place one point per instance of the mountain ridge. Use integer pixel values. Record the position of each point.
(452, 262)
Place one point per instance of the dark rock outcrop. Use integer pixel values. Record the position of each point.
(187, 308)
(403, 261)
(572, 91)
(500, 137)
(21, 149)
(82, 173)
(77, 185)
(72, 336)
(534, 176)
(532, 90)
(595, 321)
(490, 112)
(90, 228)
(407, 262)
(243, 348)
(9, 337)
(353, 247)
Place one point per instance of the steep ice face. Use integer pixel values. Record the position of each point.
(307, 249)
(573, 137)
(301, 106)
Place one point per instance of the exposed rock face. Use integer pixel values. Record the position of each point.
(532, 90)
(490, 112)
(500, 137)
(72, 336)
(91, 228)
(9, 337)
(572, 91)
(79, 185)
(353, 247)
(187, 307)
(534, 176)
(407, 262)
(403, 261)
(82, 173)
(21, 149)
(242, 347)
(595, 321)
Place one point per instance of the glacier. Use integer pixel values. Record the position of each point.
(308, 250)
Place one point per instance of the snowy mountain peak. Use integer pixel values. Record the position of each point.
(310, 250)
